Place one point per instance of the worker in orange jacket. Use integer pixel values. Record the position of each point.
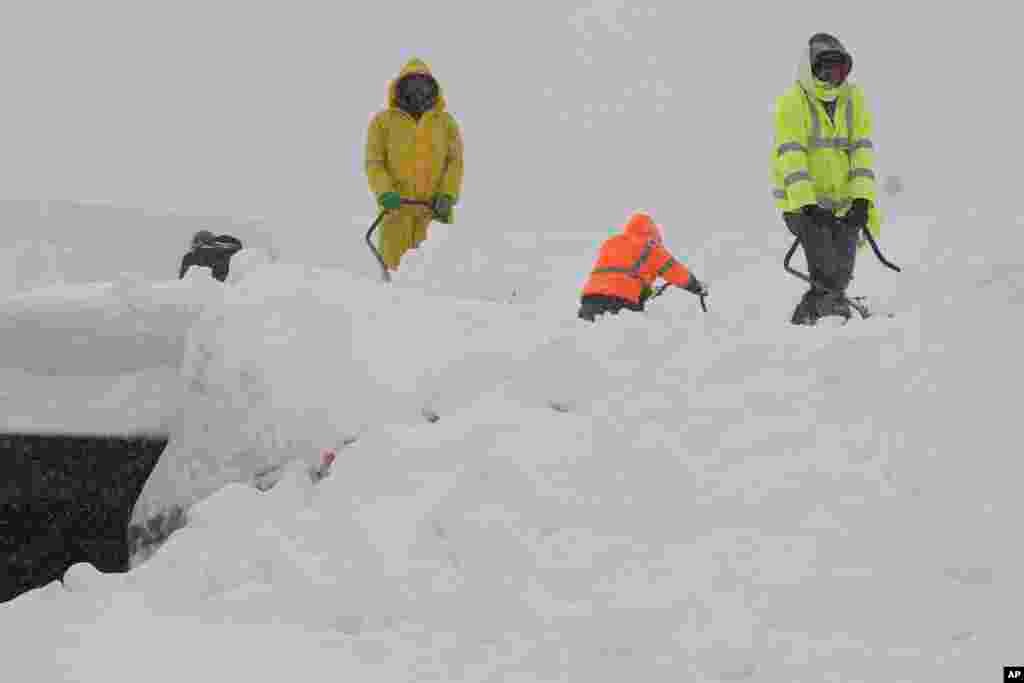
(626, 268)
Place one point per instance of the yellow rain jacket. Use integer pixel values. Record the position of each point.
(823, 160)
(417, 159)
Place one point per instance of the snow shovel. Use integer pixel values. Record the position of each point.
(369, 234)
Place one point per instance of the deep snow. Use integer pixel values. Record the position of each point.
(672, 496)
(100, 358)
(717, 496)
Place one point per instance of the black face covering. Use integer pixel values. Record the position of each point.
(831, 67)
(417, 93)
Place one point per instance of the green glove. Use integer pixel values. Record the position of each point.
(441, 206)
(389, 201)
(645, 293)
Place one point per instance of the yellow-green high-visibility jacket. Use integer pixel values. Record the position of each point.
(822, 160)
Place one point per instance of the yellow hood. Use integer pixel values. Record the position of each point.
(415, 66)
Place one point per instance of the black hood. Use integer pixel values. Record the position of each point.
(824, 43)
(820, 45)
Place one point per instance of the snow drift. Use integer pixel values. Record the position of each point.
(296, 359)
(721, 496)
(98, 358)
(90, 382)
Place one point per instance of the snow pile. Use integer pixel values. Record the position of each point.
(249, 259)
(334, 354)
(99, 358)
(519, 495)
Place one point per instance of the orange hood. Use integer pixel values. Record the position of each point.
(642, 226)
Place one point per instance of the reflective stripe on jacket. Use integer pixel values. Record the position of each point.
(625, 264)
(818, 159)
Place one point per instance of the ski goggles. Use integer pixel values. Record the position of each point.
(832, 68)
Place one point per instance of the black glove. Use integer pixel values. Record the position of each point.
(857, 216)
(818, 215)
(695, 286)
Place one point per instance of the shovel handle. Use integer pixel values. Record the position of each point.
(369, 235)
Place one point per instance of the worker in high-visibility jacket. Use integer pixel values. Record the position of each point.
(823, 172)
(628, 265)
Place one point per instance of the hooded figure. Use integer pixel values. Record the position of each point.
(413, 151)
(822, 172)
(210, 251)
(627, 266)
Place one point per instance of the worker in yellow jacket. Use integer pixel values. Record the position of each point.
(823, 172)
(413, 151)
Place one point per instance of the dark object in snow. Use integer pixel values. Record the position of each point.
(66, 499)
(559, 406)
(210, 251)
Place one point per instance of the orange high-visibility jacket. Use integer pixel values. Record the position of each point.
(632, 259)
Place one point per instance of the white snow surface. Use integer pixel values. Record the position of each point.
(673, 496)
(50, 242)
(100, 358)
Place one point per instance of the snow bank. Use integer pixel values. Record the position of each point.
(247, 260)
(296, 359)
(712, 497)
(99, 358)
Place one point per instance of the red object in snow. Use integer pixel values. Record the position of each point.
(327, 457)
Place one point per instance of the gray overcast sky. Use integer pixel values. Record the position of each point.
(260, 108)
